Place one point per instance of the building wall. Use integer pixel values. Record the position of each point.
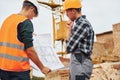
(116, 38)
(107, 40)
(107, 46)
(98, 52)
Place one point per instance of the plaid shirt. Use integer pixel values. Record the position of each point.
(82, 37)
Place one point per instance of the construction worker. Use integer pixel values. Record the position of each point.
(79, 42)
(16, 45)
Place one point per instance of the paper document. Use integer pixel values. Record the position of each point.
(47, 55)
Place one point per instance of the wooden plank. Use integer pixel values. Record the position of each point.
(103, 71)
(60, 74)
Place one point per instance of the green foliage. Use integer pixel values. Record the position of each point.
(37, 78)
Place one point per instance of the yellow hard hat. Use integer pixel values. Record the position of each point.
(72, 4)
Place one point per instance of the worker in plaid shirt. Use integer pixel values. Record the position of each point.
(80, 39)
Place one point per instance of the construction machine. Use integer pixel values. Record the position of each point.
(58, 22)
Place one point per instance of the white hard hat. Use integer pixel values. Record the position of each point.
(34, 3)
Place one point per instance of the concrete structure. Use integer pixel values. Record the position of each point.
(107, 46)
(106, 39)
(116, 38)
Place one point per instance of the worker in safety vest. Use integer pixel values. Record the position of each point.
(16, 44)
(79, 42)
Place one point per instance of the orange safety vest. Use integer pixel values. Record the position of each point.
(12, 54)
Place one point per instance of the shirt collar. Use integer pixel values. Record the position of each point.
(80, 18)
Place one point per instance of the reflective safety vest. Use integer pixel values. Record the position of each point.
(12, 54)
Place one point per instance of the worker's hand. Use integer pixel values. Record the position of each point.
(45, 70)
(69, 24)
(69, 29)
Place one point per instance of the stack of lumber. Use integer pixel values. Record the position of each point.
(60, 74)
(106, 71)
(103, 71)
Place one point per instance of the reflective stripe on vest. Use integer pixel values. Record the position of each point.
(11, 45)
(3, 55)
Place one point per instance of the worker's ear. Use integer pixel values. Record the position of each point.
(32, 8)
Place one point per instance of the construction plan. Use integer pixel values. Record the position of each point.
(46, 54)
